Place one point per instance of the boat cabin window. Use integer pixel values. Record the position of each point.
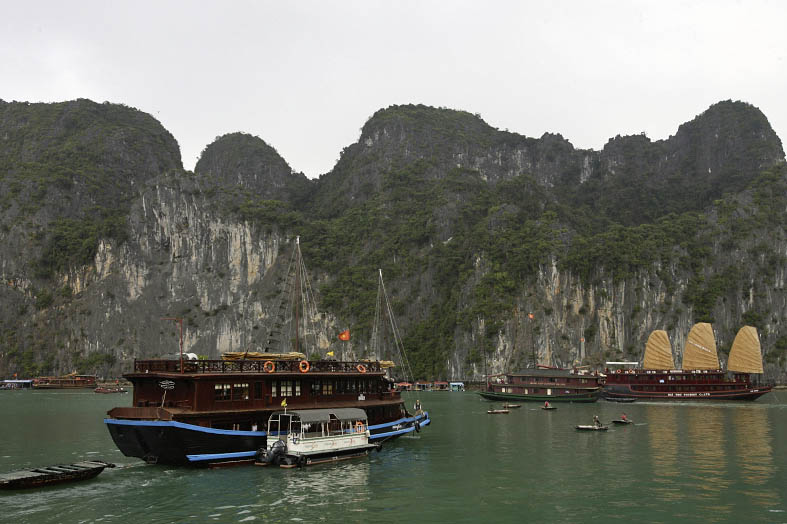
(222, 392)
(334, 426)
(286, 388)
(240, 391)
(279, 426)
(322, 387)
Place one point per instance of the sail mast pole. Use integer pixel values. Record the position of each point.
(297, 290)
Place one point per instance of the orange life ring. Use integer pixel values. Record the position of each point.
(304, 366)
(359, 427)
(269, 366)
(361, 368)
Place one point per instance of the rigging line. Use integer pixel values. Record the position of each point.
(309, 305)
(397, 338)
(376, 325)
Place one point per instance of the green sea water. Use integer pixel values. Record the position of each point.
(688, 462)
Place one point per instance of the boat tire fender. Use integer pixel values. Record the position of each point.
(361, 368)
(269, 366)
(417, 427)
(304, 366)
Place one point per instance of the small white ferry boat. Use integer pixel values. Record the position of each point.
(311, 436)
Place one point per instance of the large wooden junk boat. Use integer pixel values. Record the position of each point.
(207, 411)
(700, 376)
(70, 381)
(544, 384)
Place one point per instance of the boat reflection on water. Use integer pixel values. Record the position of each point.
(754, 454)
(663, 434)
(707, 433)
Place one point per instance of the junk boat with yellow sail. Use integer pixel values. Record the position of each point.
(700, 376)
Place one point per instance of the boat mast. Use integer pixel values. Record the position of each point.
(297, 288)
(180, 325)
(382, 307)
(533, 341)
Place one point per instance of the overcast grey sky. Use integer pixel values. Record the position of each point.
(305, 75)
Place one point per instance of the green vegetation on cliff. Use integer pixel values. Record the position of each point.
(466, 222)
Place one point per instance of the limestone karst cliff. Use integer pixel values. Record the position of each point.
(104, 234)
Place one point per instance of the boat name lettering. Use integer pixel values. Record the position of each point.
(688, 395)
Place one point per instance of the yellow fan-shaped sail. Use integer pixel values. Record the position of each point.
(658, 351)
(745, 355)
(700, 350)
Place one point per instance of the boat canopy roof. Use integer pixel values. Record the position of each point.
(310, 416)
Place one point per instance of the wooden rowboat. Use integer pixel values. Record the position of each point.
(621, 421)
(621, 399)
(45, 476)
(548, 408)
(497, 411)
(511, 406)
(592, 428)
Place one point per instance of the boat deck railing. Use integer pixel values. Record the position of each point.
(254, 366)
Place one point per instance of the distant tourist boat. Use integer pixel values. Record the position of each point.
(49, 475)
(497, 411)
(700, 376)
(109, 390)
(544, 384)
(205, 412)
(313, 436)
(16, 384)
(69, 381)
(457, 386)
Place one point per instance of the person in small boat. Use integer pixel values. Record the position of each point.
(546, 404)
(623, 417)
(417, 406)
(596, 421)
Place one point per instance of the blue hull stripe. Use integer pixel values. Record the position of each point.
(425, 422)
(220, 456)
(181, 425)
(192, 427)
(400, 421)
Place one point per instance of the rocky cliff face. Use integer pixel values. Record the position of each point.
(104, 235)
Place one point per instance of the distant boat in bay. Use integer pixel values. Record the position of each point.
(70, 381)
(700, 376)
(544, 384)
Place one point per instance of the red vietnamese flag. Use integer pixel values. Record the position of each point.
(344, 335)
